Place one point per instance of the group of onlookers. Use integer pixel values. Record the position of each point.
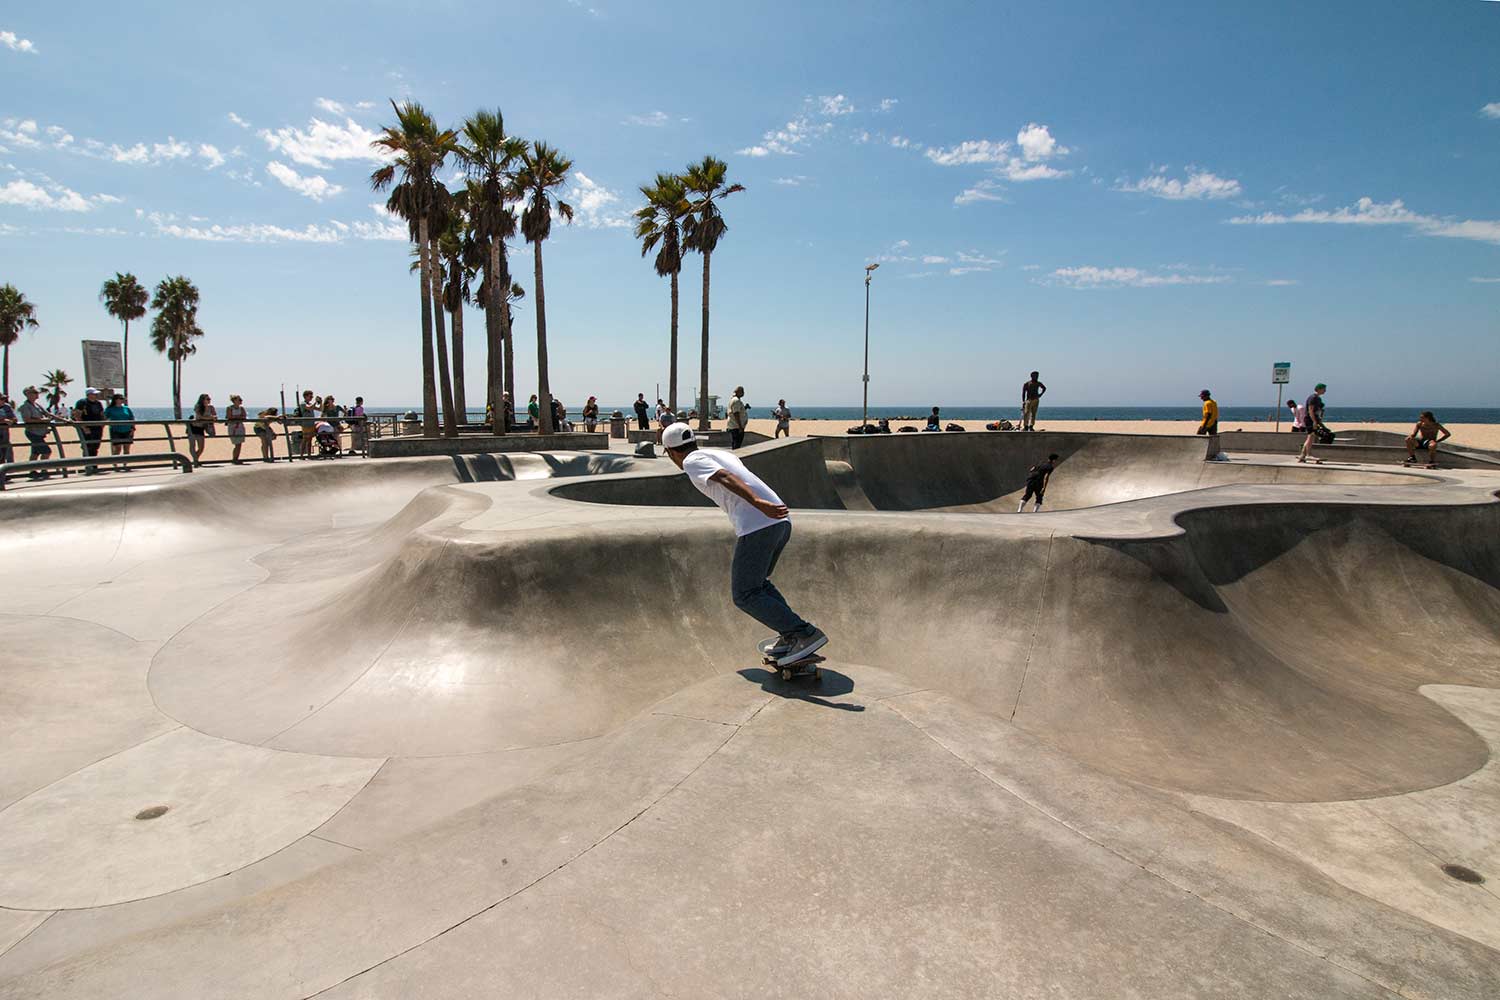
(738, 419)
(93, 409)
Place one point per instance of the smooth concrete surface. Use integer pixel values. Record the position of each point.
(434, 727)
(486, 444)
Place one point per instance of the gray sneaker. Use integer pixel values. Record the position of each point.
(806, 642)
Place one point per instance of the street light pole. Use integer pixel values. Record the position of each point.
(864, 420)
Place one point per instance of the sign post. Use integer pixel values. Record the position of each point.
(1281, 374)
(103, 364)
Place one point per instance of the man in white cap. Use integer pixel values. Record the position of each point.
(91, 410)
(763, 525)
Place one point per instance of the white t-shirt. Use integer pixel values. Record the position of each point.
(700, 467)
(737, 416)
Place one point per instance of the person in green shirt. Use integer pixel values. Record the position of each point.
(534, 412)
(121, 426)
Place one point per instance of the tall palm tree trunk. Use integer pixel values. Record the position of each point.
(507, 333)
(440, 336)
(176, 389)
(429, 387)
(672, 378)
(125, 358)
(5, 379)
(703, 412)
(460, 404)
(494, 339)
(543, 386)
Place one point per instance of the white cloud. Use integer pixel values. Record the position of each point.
(20, 133)
(59, 136)
(887, 103)
(315, 187)
(970, 151)
(238, 120)
(1031, 267)
(985, 190)
(754, 151)
(1018, 170)
(1200, 184)
(141, 154)
(389, 227)
(1368, 212)
(332, 107)
(1491, 110)
(795, 181)
(386, 228)
(15, 43)
(323, 142)
(25, 194)
(364, 105)
(1486, 281)
(834, 106)
(934, 259)
(1036, 143)
(975, 257)
(655, 119)
(1088, 277)
(901, 142)
(211, 155)
(595, 206)
(785, 140)
(1282, 282)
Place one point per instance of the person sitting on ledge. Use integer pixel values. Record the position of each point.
(1425, 435)
(934, 422)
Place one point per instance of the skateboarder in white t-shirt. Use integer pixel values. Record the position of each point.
(762, 525)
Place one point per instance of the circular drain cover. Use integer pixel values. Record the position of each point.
(152, 813)
(1463, 874)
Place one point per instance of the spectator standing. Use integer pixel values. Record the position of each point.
(507, 412)
(38, 423)
(234, 417)
(559, 415)
(739, 417)
(264, 433)
(307, 414)
(1032, 391)
(359, 431)
(591, 414)
(642, 412)
(1210, 425)
(1312, 422)
(1294, 414)
(121, 426)
(90, 411)
(201, 426)
(783, 419)
(8, 419)
(533, 413)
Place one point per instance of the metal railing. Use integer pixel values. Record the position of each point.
(288, 437)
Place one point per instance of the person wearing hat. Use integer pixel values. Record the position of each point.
(1312, 419)
(235, 416)
(121, 427)
(1210, 424)
(38, 423)
(90, 411)
(762, 526)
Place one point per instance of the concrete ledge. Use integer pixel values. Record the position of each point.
(485, 444)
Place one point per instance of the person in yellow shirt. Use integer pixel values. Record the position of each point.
(1210, 423)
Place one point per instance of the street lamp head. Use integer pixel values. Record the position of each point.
(870, 267)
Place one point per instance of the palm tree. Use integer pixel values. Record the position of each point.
(489, 157)
(417, 147)
(174, 328)
(456, 273)
(702, 227)
(659, 224)
(125, 299)
(56, 382)
(438, 222)
(16, 314)
(542, 168)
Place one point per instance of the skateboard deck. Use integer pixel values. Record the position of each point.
(807, 666)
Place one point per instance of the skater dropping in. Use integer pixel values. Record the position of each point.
(762, 525)
(1036, 483)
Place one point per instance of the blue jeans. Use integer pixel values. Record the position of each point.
(755, 558)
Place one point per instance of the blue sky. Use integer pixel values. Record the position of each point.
(1137, 198)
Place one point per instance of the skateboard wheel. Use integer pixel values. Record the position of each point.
(786, 674)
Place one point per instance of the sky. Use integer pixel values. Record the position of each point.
(1137, 198)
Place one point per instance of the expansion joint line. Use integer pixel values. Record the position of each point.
(545, 875)
(1036, 624)
(1144, 866)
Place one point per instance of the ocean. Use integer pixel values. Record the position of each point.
(1228, 414)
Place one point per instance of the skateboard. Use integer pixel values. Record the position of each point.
(807, 666)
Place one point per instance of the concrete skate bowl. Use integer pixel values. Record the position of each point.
(1261, 652)
(980, 473)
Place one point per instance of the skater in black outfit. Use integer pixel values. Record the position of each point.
(1036, 483)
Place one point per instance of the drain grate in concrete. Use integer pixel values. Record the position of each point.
(1463, 874)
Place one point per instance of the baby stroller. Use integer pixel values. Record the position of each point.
(328, 440)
